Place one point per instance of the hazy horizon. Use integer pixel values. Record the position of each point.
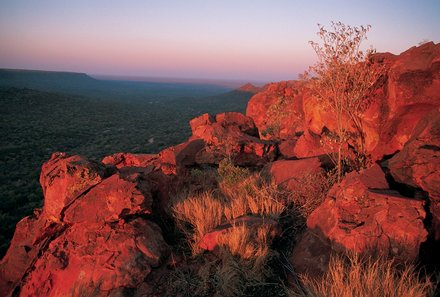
(255, 41)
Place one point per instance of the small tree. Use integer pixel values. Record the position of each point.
(344, 77)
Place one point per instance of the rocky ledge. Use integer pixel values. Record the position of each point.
(107, 227)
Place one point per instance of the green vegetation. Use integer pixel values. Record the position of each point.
(38, 123)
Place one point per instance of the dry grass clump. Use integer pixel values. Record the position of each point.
(311, 192)
(226, 276)
(241, 193)
(247, 243)
(202, 211)
(359, 276)
(249, 193)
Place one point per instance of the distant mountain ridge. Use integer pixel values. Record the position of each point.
(83, 84)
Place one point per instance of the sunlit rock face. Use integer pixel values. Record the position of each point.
(93, 235)
(418, 164)
(107, 227)
(364, 215)
(408, 90)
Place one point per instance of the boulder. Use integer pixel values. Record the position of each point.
(310, 145)
(414, 77)
(397, 130)
(96, 259)
(182, 155)
(362, 214)
(289, 173)
(64, 178)
(231, 135)
(418, 164)
(22, 251)
(235, 119)
(114, 198)
(277, 110)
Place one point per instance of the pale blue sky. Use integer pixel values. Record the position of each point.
(254, 40)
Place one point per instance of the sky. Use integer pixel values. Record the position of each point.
(251, 40)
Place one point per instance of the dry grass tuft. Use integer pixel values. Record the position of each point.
(358, 276)
(311, 192)
(249, 193)
(203, 211)
(247, 243)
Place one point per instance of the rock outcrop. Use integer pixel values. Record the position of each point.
(93, 235)
(364, 215)
(107, 227)
(407, 92)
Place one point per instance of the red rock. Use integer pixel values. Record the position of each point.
(310, 255)
(362, 213)
(23, 250)
(287, 148)
(245, 124)
(89, 258)
(210, 241)
(287, 120)
(181, 155)
(289, 172)
(414, 77)
(317, 115)
(398, 130)
(64, 178)
(120, 160)
(230, 136)
(113, 199)
(418, 164)
(310, 145)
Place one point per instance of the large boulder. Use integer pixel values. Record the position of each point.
(414, 77)
(277, 110)
(231, 135)
(115, 198)
(96, 259)
(411, 90)
(418, 164)
(362, 214)
(291, 173)
(92, 236)
(64, 178)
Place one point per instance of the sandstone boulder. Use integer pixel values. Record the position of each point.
(64, 178)
(277, 110)
(114, 198)
(290, 173)
(418, 164)
(230, 135)
(96, 259)
(363, 215)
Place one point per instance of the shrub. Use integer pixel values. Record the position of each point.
(344, 78)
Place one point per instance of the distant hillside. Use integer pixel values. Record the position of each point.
(36, 123)
(82, 84)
